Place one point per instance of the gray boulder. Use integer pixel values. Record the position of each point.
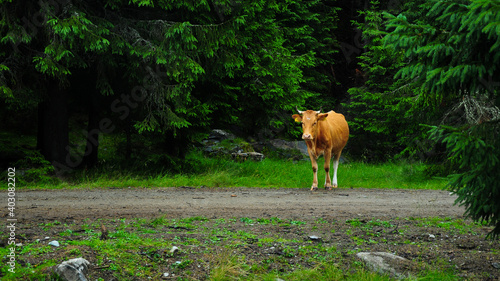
(220, 135)
(292, 148)
(290, 145)
(222, 143)
(212, 144)
(73, 270)
(384, 263)
(243, 156)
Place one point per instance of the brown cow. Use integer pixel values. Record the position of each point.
(325, 134)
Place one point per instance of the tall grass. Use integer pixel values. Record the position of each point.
(273, 173)
(269, 173)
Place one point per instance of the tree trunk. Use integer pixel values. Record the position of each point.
(128, 134)
(53, 131)
(90, 157)
(176, 146)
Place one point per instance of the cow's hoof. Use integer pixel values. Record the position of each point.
(328, 187)
(314, 188)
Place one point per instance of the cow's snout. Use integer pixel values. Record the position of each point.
(307, 137)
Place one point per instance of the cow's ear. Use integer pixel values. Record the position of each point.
(297, 118)
(322, 116)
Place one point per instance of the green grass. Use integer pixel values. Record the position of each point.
(138, 249)
(269, 173)
(155, 170)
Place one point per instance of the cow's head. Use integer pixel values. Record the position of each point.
(309, 120)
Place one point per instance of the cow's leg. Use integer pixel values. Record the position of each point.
(335, 167)
(328, 183)
(314, 164)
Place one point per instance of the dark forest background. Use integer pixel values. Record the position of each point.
(415, 79)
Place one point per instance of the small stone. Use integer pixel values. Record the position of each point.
(382, 262)
(234, 195)
(256, 156)
(166, 274)
(314, 238)
(174, 250)
(432, 236)
(54, 243)
(73, 270)
(496, 265)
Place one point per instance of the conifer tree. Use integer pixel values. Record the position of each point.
(384, 116)
(170, 67)
(453, 57)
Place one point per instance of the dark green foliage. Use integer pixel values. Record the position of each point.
(33, 168)
(267, 81)
(477, 152)
(30, 166)
(452, 55)
(384, 112)
(173, 67)
(453, 51)
(310, 32)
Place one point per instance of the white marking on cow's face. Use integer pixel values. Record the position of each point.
(308, 118)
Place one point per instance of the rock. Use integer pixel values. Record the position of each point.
(294, 149)
(222, 143)
(383, 263)
(290, 145)
(314, 238)
(255, 156)
(174, 250)
(220, 135)
(54, 243)
(73, 270)
(240, 156)
(243, 156)
(496, 265)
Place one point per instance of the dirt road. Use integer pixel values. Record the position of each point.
(233, 202)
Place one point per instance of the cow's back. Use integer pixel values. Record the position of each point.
(339, 130)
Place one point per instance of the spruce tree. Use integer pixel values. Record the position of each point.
(170, 68)
(383, 114)
(453, 56)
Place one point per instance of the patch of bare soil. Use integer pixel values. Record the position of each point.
(351, 220)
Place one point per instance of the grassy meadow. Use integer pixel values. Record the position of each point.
(262, 248)
(200, 170)
(154, 169)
